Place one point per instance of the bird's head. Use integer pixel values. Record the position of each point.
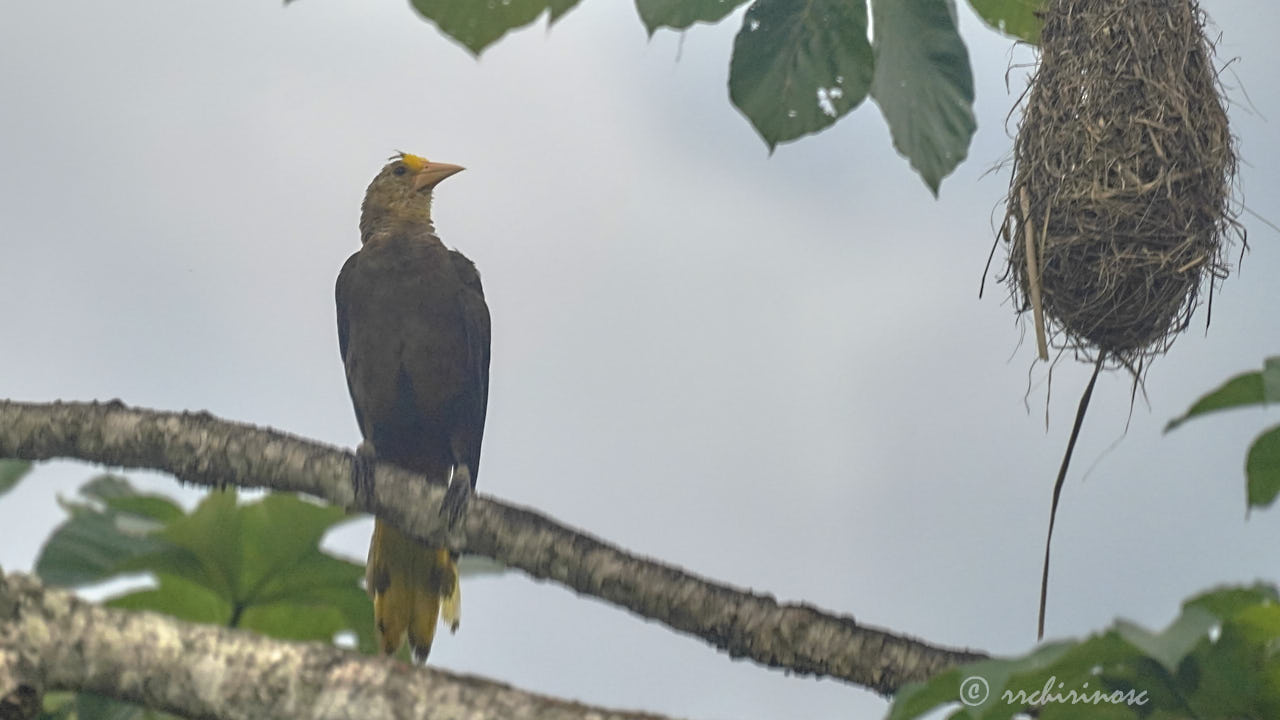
(401, 192)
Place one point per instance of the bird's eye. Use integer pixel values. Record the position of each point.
(400, 170)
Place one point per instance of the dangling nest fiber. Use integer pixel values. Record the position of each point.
(1124, 170)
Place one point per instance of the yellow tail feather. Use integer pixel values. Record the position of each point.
(451, 603)
(408, 582)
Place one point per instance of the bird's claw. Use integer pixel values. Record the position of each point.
(362, 467)
(457, 496)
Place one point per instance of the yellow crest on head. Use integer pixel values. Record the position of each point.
(413, 162)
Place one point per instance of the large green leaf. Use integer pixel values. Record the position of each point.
(319, 615)
(1251, 388)
(1017, 18)
(203, 548)
(923, 84)
(321, 621)
(800, 65)
(179, 597)
(11, 471)
(680, 14)
(283, 565)
(102, 533)
(477, 24)
(261, 567)
(1262, 469)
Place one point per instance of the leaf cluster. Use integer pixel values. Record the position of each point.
(1217, 660)
(798, 67)
(256, 566)
(1251, 389)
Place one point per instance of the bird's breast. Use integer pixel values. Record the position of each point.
(406, 328)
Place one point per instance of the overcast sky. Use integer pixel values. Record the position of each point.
(771, 370)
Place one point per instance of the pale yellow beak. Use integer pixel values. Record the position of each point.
(432, 173)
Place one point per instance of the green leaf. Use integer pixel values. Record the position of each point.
(1090, 711)
(1240, 391)
(259, 566)
(11, 471)
(923, 84)
(282, 564)
(1271, 379)
(916, 699)
(1261, 625)
(318, 615)
(979, 686)
(680, 14)
(58, 706)
(480, 23)
(318, 621)
(1262, 469)
(1016, 18)
(179, 597)
(152, 507)
(203, 548)
(1175, 643)
(98, 539)
(798, 67)
(1252, 388)
(1227, 602)
(97, 707)
(1226, 678)
(108, 487)
(1075, 667)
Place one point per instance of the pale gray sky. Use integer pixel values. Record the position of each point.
(773, 371)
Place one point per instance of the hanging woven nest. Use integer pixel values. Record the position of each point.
(1120, 208)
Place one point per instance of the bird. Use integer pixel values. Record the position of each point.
(414, 334)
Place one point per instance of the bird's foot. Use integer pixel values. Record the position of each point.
(362, 468)
(457, 496)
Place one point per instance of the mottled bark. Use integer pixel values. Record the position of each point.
(52, 640)
(199, 448)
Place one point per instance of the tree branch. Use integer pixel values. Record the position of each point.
(51, 640)
(198, 448)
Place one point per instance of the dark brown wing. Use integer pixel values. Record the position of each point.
(475, 318)
(341, 295)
